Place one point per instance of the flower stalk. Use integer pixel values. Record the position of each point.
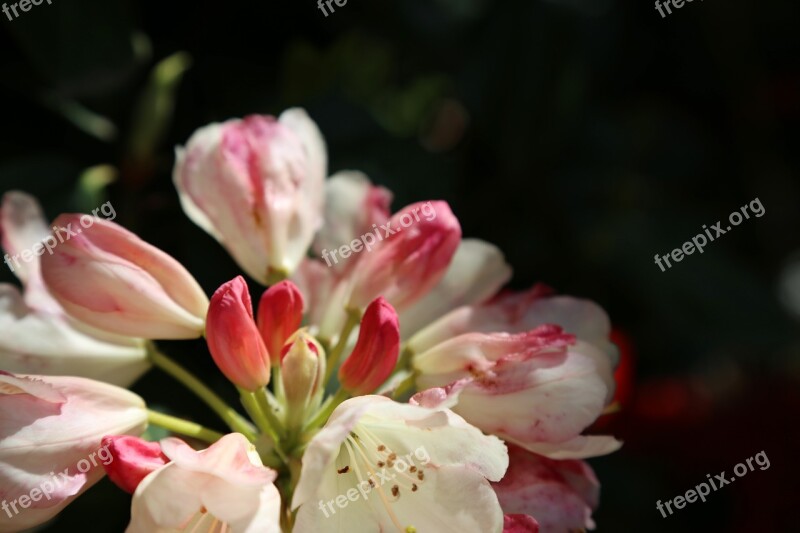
(183, 427)
(227, 413)
(353, 318)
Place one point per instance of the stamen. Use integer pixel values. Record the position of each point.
(382, 495)
(366, 456)
(367, 436)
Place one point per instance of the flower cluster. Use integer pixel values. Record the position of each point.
(342, 372)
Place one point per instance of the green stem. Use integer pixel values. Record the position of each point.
(276, 276)
(405, 385)
(266, 405)
(251, 406)
(250, 402)
(227, 413)
(405, 360)
(325, 411)
(184, 427)
(353, 317)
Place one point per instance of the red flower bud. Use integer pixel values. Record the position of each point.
(280, 313)
(233, 338)
(132, 459)
(375, 355)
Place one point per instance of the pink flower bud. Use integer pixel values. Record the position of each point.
(414, 250)
(375, 355)
(280, 313)
(132, 460)
(233, 338)
(257, 186)
(107, 277)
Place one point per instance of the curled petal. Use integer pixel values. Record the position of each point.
(518, 312)
(109, 278)
(408, 262)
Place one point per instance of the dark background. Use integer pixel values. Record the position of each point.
(581, 136)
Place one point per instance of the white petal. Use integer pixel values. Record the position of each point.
(39, 342)
(451, 499)
(22, 224)
(313, 191)
(550, 397)
(580, 447)
(477, 272)
(212, 195)
(221, 480)
(345, 198)
(321, 453)
(583, 318)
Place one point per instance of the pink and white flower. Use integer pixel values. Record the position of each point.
(406, 264)
(224, 487)
(36, 334)
(531, 369)
(353, 208)
(111, 279)
(539, 389)
(50, 441)
(560, 494)
(519, 312)
(386, 466)
(257, 186)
